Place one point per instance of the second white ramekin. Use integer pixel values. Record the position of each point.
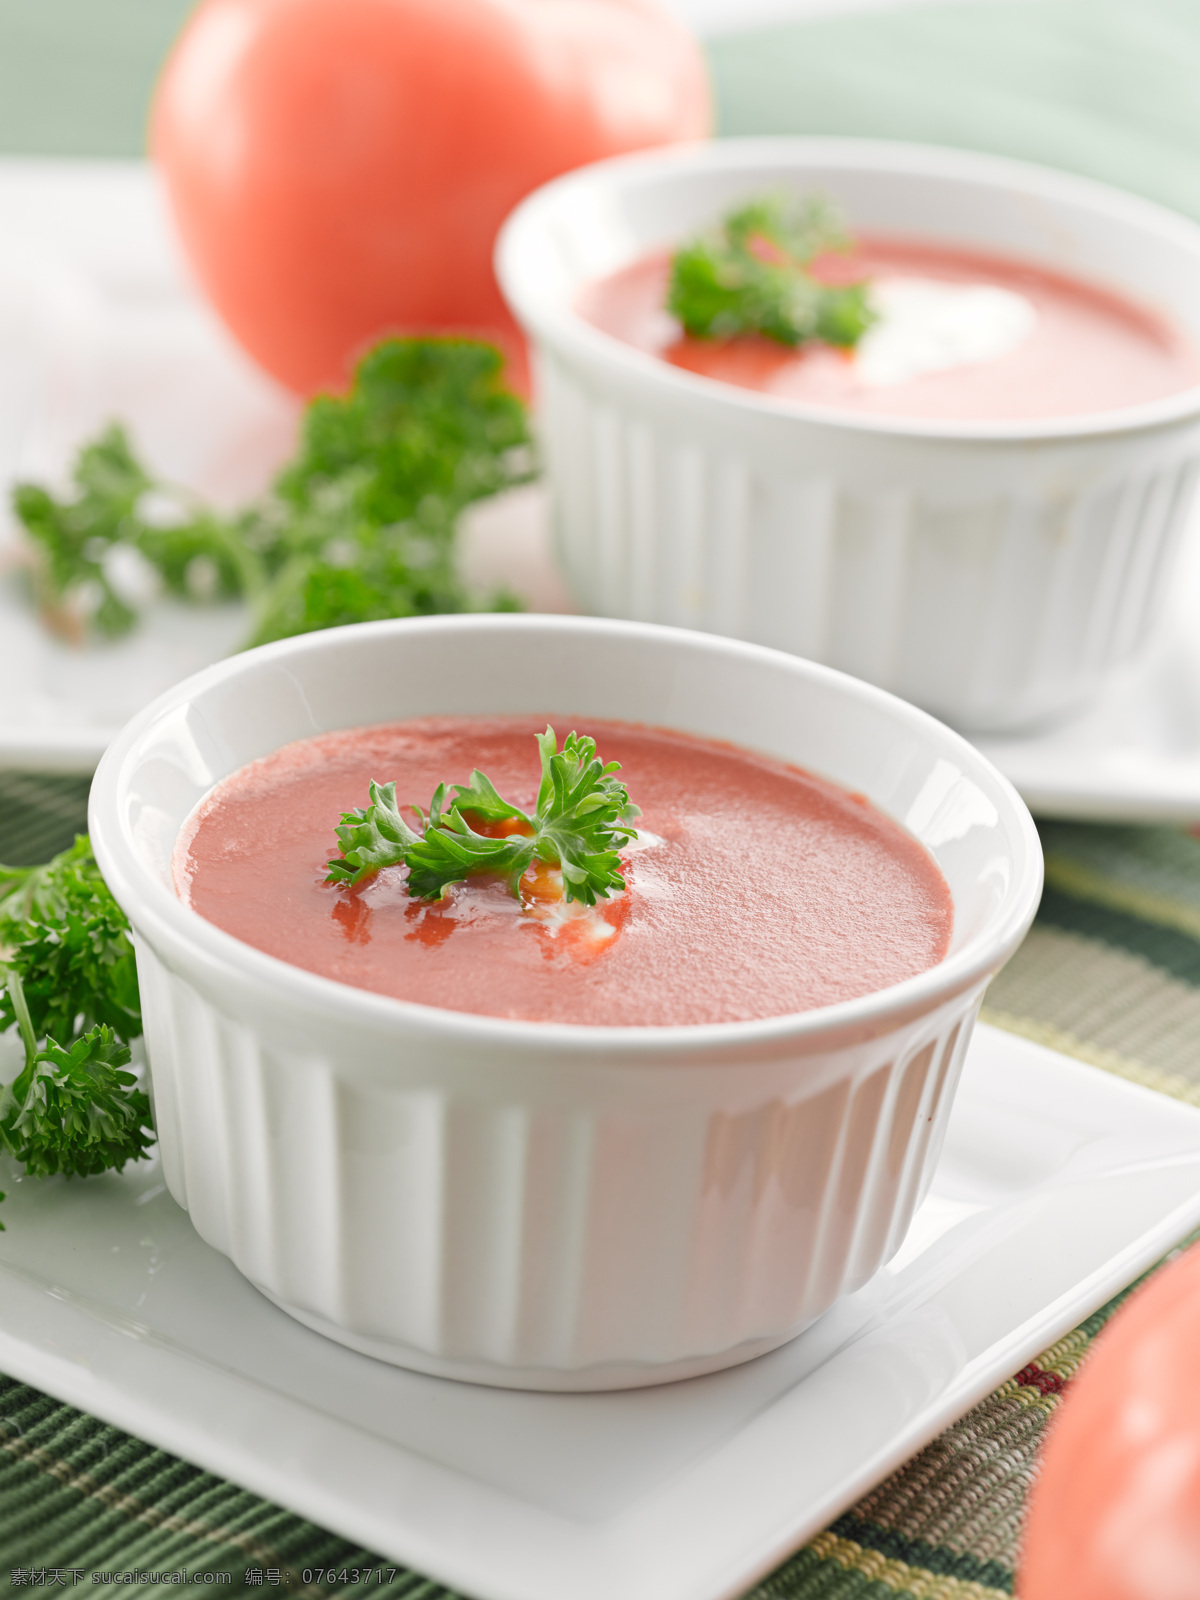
(531, 1204)
(993, 573)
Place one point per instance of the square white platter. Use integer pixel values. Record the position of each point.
(1058, 1185)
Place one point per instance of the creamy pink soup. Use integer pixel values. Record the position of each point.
(1088, 350)
(754, 889)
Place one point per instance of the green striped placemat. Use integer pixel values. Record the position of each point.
(39, 816)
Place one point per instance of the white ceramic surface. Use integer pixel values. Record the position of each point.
(688, 1491)
(995, 573)
(1133, 756)
(542, 1205)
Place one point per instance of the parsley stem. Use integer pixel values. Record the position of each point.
(16, 993)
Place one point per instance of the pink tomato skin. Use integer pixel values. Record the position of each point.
(1115, 1510)
(338, 169)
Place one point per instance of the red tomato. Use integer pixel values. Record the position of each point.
(338, 169)
(1115, 1510)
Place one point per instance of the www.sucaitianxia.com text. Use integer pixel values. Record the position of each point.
(68, 1577)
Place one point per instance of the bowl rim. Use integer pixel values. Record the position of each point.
(563, 329)
(153, 907)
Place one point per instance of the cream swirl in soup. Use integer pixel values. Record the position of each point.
(958, 336)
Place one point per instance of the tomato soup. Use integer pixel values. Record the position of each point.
(753, 889)
(960, 336)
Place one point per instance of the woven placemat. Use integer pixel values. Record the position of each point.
(1110, 973)
(39, 816)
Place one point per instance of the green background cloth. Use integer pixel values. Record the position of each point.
(1108, 88)
(1103, 87)
(1110, 972)
(76, 75)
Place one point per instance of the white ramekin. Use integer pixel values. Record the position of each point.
(993, 573)
(531, 1204)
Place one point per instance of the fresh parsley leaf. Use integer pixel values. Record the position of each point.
(364, 575)
(426, 428)
(751, 275)
(74, 1110)
(202, 557)
(373, 838)
(114, 503)
(72, 537)
(64, 934)
(451, 850)
(582, 817)
(358, 527)
(18, 885)
(27, 892)
(361, 526)
(67, 973)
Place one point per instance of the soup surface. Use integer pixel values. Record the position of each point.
(753, 889)
(960, 336)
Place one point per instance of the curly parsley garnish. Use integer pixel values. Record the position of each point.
(68, 983)
(751, 275)
(118, 507)
(72, 1108)
(359, 526)
(581, 819)
(67, 938)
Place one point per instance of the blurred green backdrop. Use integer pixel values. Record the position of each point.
(76, 75)
(1110, 88)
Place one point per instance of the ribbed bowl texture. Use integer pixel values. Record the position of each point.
(533, 1204)
(994, 573)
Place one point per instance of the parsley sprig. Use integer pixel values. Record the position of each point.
(64, 934)
(68, 983)
(359, 526)
(72, 1108)
(751, 274)
(581, 819)
(116, 505)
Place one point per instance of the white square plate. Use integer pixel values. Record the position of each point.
(1058, 1186)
